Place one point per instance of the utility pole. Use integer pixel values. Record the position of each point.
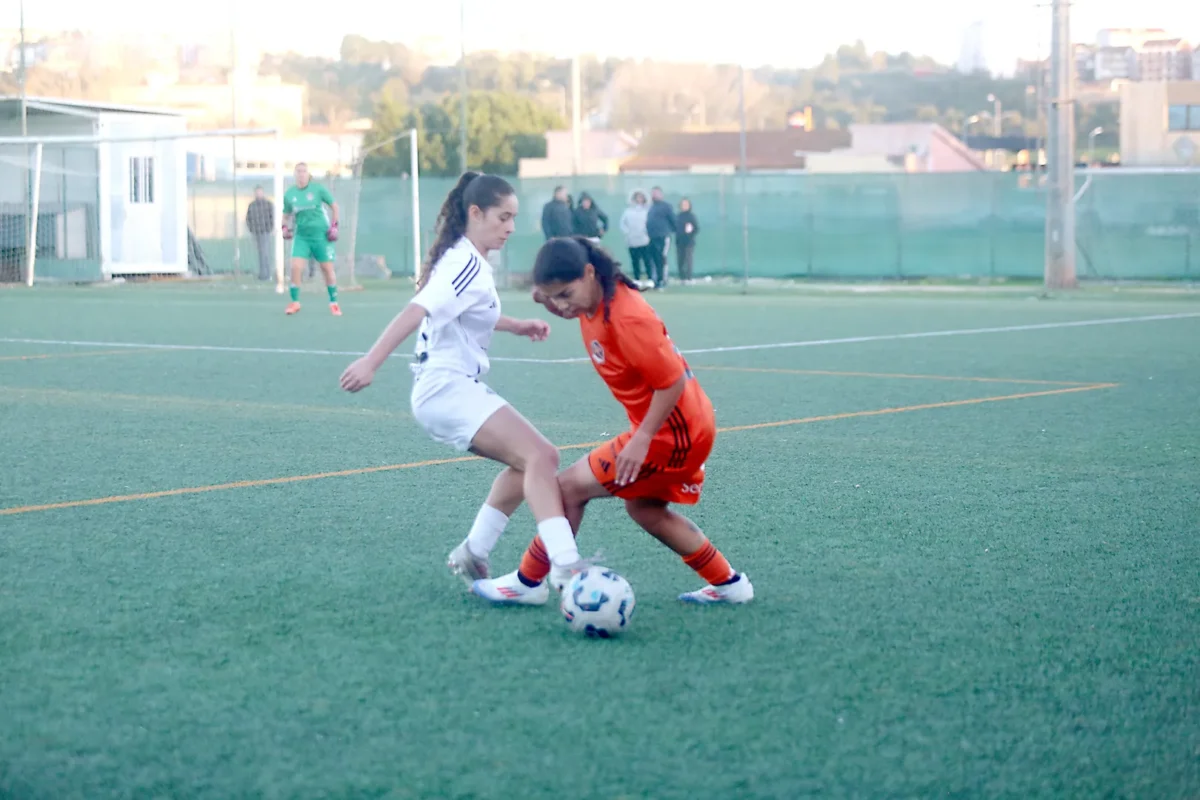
(24, 108)
(462, 83)
(28, 187)
(233, 114)
(576, 118)
(1060, 199)
(742, 169)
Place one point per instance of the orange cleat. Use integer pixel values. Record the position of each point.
(335, 309)
(293, 308)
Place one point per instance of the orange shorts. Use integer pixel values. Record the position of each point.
(674, 467)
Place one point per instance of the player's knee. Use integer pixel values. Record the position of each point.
(647, 513)
(542, 459)
(574, 492)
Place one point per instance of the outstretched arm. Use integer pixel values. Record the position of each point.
(535, 329)
(360, 374)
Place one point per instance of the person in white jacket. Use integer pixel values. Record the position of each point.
(633, 225)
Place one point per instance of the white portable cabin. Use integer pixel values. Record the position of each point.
(105, 209)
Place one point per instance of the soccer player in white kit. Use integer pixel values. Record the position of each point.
(456, 310)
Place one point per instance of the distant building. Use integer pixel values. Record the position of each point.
(601, 153)
(924, 146)
(35, 53)
(1160, 124)
(106, 209)
(261, 102)
(1127, 37)
(715, 152)
(899, 147)
(1032, 70)
(1085, 63)
(971, 57)
(1138, 54)
(1115, 63)
(1164, 60)
(328, 152)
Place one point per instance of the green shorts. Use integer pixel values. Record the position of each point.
(314, 247)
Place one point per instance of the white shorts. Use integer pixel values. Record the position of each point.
(452, 407)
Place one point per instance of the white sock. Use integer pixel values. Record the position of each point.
(558, 540)
(486, 531)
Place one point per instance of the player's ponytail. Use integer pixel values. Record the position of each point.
(472, 189)
(563, 260)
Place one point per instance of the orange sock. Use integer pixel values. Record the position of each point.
(534, 564)
(710, 564)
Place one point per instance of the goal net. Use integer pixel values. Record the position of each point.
(206, 204)
(377, 223)
(49, 211)
(125, 203)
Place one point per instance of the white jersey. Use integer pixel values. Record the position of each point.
(463, 308)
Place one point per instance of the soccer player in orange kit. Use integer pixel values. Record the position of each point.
(660, 460)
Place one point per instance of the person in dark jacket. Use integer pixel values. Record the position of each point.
(556, 215)
(260, 221)
(589, 220)
(661, 225)
(685, 239)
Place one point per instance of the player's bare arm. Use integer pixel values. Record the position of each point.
(360, 374)
(535, 329)
(631, 458)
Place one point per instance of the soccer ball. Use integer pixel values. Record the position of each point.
(598, 603)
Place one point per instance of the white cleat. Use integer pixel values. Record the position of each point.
(466, 565)
(736, 593)
(507, 590)
(560, 576)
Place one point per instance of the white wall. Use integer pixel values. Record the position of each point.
(846, 162)
(143, 237)
(325, 154)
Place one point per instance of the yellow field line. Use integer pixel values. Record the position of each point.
(922, 407)
(86, 354)
(124, 498)
(894, 375)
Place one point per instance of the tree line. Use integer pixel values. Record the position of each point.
(514, 99)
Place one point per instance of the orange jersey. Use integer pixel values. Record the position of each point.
(635, 356)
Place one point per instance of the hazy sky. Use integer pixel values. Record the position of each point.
(782, 32)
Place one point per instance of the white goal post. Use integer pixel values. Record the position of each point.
(125, 201)
(414, 178)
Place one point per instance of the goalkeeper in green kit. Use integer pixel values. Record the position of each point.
(312, 231)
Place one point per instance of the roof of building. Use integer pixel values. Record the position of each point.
(79, 108)
(1163, 44)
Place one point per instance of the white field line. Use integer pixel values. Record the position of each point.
(886, 337)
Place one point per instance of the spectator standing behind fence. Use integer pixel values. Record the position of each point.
(661, 225)
(588, 219)
(556, 215)
(685, 239)
(633, 226)
(260, 221)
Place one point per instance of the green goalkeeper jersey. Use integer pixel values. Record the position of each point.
(308, 204)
